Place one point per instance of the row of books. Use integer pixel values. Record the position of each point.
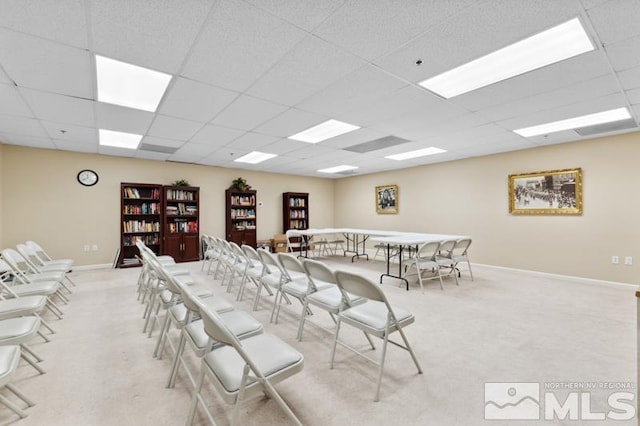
(180, 194)
(241, 226)
(243, 200)
(243, 214)
(297, 214)
(182, 209)
(147, 239)
(298, 224)
(144, 208)
(129, 192)
(126, 261)
(178, 227)
(140, 226)
(297, 202)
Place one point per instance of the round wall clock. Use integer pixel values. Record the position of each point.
(87, 177)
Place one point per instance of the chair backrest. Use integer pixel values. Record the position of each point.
(29, 255)
(290, 264)
(39, 251)
(429, 250)
(318, 271)
(270, 262)
(360, 286)
(293, 239)
(461, 247)
(251, 253)
(17, 261)
(446, 247)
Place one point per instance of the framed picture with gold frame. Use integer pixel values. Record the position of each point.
(387, 199)
(546, 193)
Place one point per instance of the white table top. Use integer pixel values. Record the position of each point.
(388, 237)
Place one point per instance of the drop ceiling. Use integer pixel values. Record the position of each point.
(248, 74)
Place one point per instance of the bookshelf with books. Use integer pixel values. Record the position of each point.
(241, 216)
(295, 211)
(140, 218)
(181, 213)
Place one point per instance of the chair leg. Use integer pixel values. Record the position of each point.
(243, 386)
(382, 359)
(276, 396)
(53, 311)
(157, 352)
(30, 351)
(11, 405)
(410, 350)
(196, 395)
(46, 325)
(469, 265)
(335, 343)
(303, 317)
(33, 364)
(176, 360)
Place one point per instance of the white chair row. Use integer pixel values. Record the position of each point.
(212, 328)
(346, 297)
(29, 281)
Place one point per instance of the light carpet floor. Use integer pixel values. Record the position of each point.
(505, 326)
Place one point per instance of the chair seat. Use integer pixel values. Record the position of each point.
(16, 330)
(330, 299)
(44, 287)
(175, 270)
(297, 288)
(46, 276)
(26, 305)
(9, 359)
(269, 353)
(240, 323)
(373, 315)
(272, 279)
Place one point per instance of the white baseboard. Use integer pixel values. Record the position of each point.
(559, 276)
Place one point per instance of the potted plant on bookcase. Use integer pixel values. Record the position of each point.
(240, 185)
(181, 182)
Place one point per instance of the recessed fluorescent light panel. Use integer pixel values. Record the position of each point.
(323, 131)
(415, 154)
(576, 122)
(255, 157)
(337, 169)
(119, 139)
(548, 47)
(129, 85)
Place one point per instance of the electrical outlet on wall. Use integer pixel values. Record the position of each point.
(615, 260)
(86, 248)
(628, 260)
(94, 247)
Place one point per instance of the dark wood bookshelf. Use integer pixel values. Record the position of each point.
(241, 217)
(181, 222)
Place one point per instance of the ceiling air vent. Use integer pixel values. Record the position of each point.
(606, 127)
(158, 148)
(376, 144)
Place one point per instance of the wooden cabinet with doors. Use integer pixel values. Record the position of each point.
(241, 216)
(181, 213)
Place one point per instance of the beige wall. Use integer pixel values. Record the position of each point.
(2, 201)
(470, 197)
(43, 201)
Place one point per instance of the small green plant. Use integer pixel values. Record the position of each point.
(180, 182)
(240, 185)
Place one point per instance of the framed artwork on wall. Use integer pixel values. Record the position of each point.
(387, 199)
(546, 193)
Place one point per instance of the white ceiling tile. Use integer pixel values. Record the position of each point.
(27, 140)
(196, 101)
(589, 4)
(370, 29)
(310, 151)
(579, 92)
(60, 108)
(122, 119)
(284, 146)
(77, 146)
(156, 35)
(431, 124)
(3, 77)
(22, 126)
(624, 54)
(36, 63)
(634, 96)
(310, 66)
(306, 14)
(247, 112)
(216, 135)
(616, 20)
(223, 156)
(253, 141)
(630, 79)
(239, 56)
(191, 152)
(150, 140)
(354, 91)
(11, 103)
(511, 145)
(65, 132)
(290, 122)
(354, 138)
(173, 128)
(58, 20)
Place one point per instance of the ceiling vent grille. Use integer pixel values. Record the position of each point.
(606, 127)
(158, 148)
(376, 144)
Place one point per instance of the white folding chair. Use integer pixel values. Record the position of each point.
(460, 253)
(9, 359)
(375, 317)
(242, 369)
(425, 260)
(45, 259)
